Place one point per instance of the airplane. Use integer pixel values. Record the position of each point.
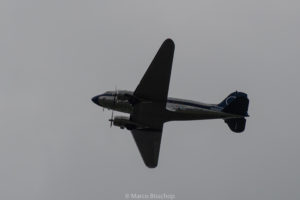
(150, 107)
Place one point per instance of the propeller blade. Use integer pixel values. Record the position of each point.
(114, 99)
(116, 95)
(111, 119)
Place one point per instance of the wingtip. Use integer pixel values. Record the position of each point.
(170, 42)
(151, 166)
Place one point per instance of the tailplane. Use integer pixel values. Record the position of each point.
(236, 103)
(237, 125)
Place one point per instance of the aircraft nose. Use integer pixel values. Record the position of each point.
(95, 100)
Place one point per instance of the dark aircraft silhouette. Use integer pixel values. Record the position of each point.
(149, 106)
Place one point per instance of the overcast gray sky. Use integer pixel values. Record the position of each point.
(55, 55)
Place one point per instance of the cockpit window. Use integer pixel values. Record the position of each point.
(108, 93)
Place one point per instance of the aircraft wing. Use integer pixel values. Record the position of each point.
(148, 143)
(155, 82)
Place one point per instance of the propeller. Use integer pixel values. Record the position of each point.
(111, 119)
(116, 96)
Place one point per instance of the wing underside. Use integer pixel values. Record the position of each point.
(152, 92)
(155, 82)
(148, 143)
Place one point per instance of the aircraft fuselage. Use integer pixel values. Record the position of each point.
(176, 109)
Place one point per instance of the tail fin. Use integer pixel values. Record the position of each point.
(236, 103)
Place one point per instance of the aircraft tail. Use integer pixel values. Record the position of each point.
(236, 103)
(236, 125)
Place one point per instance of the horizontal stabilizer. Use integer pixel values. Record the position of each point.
(237, 125)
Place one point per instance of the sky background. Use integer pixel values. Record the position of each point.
(55, 55)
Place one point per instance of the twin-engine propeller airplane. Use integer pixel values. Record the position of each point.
(149, 106)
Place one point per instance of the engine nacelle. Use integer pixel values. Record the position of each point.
(122, 96)
(124, 122)
(129, 97)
